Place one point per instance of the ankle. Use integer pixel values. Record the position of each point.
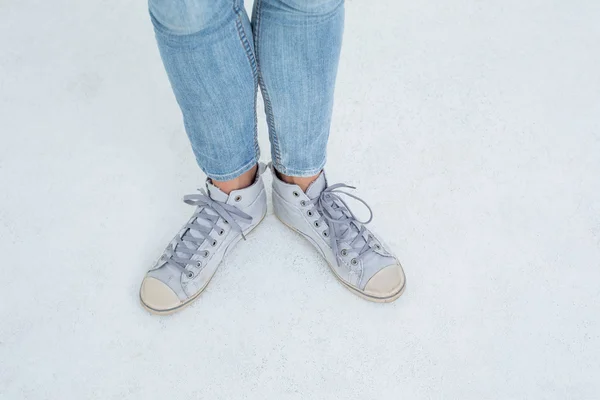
(302, 181)
(241, 182)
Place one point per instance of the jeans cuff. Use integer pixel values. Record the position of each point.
(232, 175)
(299, 172)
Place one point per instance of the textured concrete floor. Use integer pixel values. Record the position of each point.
(473, 130)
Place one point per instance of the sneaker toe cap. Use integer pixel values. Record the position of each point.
(158, 296)
(388, 282)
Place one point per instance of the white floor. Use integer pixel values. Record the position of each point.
(473, 130)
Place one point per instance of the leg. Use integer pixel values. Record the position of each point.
(298, 45)
(209, 58)
(207, 50)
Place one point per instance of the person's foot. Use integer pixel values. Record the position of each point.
(191, 259)
(356, 257)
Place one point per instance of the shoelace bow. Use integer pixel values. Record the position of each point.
(187, 244)
(342, 222)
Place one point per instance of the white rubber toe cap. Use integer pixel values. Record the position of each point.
(158, 296)
(386, 283)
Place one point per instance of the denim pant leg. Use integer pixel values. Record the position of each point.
(207, 50)
(297, 44)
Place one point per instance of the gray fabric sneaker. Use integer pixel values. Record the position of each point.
(355, 255)
(193, 256)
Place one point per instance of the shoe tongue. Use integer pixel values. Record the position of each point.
(318, 185)
(315, 189)
(215, 193)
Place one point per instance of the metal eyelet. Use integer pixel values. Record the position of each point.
(354, 261)
(296, 194)
(199, 264)
(206, 253)
(221, 232)
(317, 224)
(309, 213)
(190, 274)
(214, 243)
(325, 234)
(377, 247)
(344, 252)
(303, 203)
(238, 198)
(226, 222)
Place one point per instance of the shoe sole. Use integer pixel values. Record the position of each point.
(348, 286)
(191, 299)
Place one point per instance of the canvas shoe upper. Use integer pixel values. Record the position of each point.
(356, 256)
(192, 257)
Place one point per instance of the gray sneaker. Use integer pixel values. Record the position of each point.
(355, 255)
(193, 256)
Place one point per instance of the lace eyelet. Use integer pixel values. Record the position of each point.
(199, 264)
(325, 234)
(221, 232)
(354, 261)
(206, 253)
(296, 194)
(190, 274)
(309, 213)
(344, 252)
(226, 222)
(238, 198)
(377, 247)
(317, 224)
(303, 203)
(214, 243)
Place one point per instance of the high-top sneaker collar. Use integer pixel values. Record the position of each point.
(317, 186)
(215, 193)
(240, 197)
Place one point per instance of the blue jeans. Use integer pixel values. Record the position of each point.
(216, 59)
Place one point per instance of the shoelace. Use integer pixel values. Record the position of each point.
(343, 224)
(187, 245)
